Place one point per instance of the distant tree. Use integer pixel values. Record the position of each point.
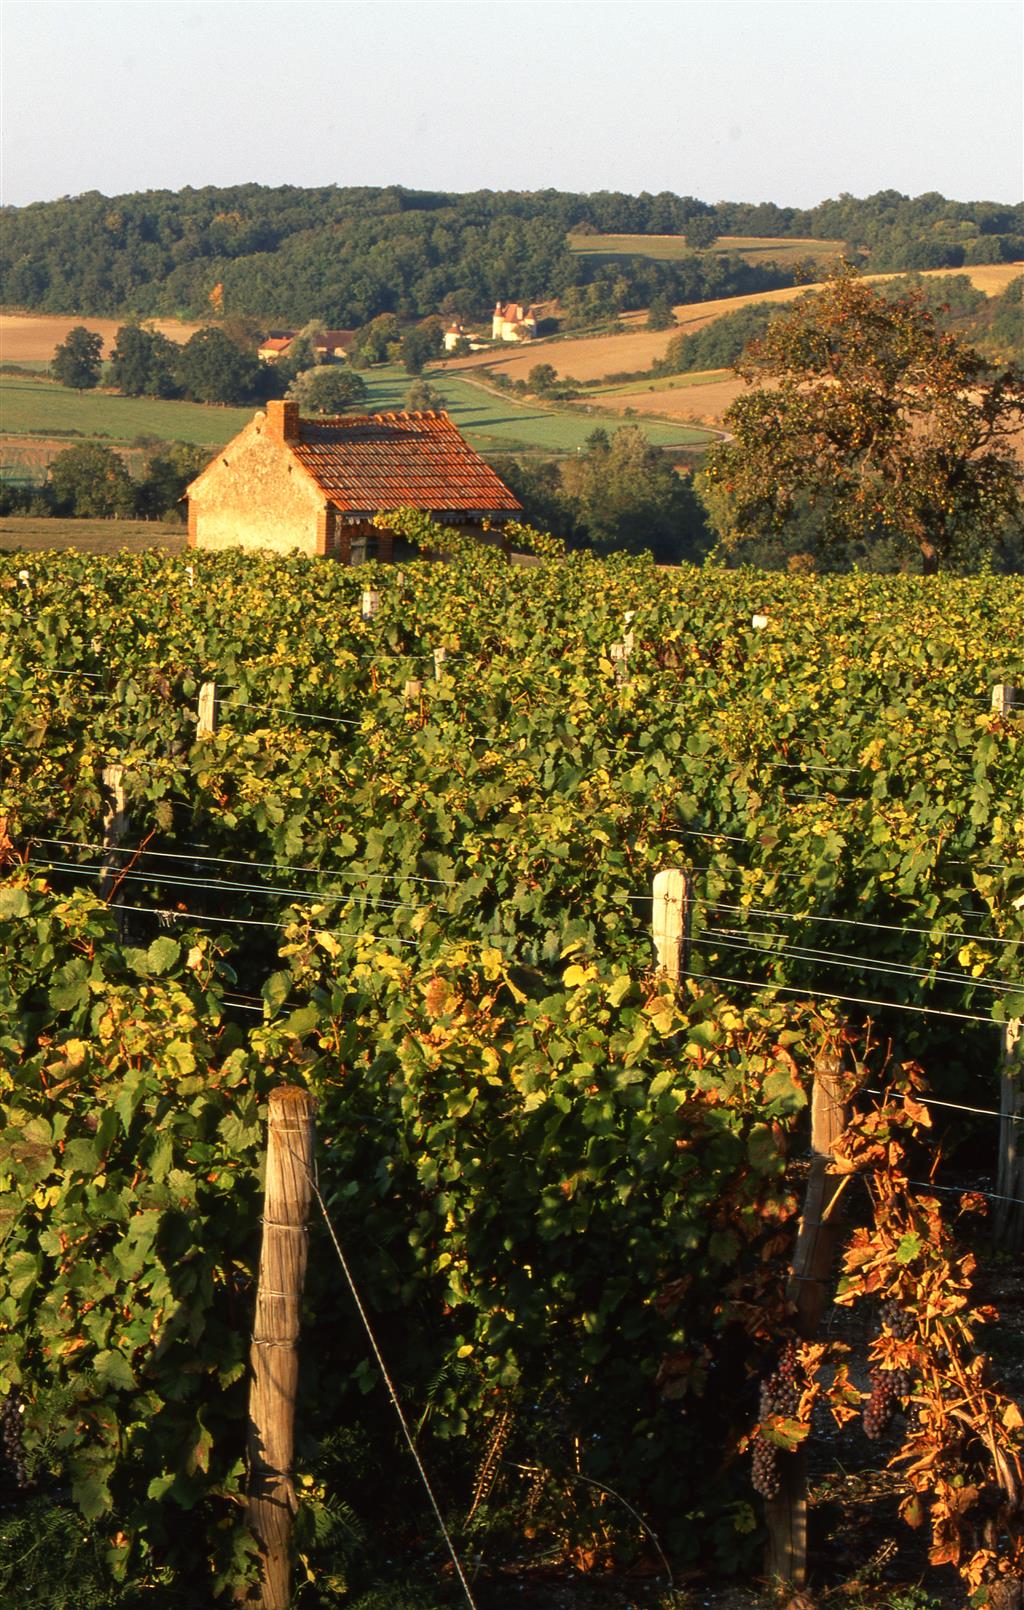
(546, 506)
(660, 315)
(701, 232)
(166, 476)
(424, 398)
(143, 363)
(211, 369)
(627, 496)
(423, 342)
(542, 379)
(885, 430)
(78, 360)
(328, 390)
(91, 482)
(376, 342)
(301, 354)
(243, 331)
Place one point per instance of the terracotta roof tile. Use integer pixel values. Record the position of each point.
(370, 462)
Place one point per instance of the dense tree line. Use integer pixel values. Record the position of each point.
(993, 324)
(92, 482)
(347, 255)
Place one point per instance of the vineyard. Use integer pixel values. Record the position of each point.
(391, 836)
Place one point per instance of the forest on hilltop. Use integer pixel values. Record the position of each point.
(347, 254)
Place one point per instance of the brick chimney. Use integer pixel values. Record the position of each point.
(283, 420)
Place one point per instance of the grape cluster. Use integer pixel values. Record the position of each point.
(12, 1446)
(898, 1321)
(780, 1394)
(881, 1405)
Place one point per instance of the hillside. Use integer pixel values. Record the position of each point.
(344, 255)
(634, 348)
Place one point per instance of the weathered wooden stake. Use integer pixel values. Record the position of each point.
(413, 688)
(206, 725)
(371, 603)
(440, 655)
(1008, 1218)
(274, 1357)
(115, 826)
(809, 1279)
(619, 656)
(672, 921)
(1003, 698)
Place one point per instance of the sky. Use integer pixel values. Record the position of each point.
(789, 101)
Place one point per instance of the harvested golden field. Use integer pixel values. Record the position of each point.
(31, 337)
(636, 348)
(696, 398)
(595, 356)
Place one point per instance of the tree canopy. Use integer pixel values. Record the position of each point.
(288, 254)
(91, 482)
(327, 389)
(144, 363)
(627, 496)
(77, 361)
(881, 428)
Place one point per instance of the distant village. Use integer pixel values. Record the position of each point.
(511, 321)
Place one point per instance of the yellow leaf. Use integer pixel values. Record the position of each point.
(574, 976)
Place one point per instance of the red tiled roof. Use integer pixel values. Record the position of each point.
(366, 463)
(335, 340)
(276, 343)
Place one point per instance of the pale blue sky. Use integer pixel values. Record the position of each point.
(748, 100)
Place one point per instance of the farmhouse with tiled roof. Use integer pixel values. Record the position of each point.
(316, 484)
(273, 347)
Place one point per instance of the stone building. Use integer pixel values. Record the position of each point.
(514, 322)
(316, 484)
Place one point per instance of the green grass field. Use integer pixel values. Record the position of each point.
(493, 423)
(670, 248)
(625, 388)
(38, 409)
(41, 408)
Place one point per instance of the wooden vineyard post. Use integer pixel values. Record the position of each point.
(115, 827)
(619, 656)
(274, 1359)
(1008, 1218)
(206, 724)
(440, 655)
(370, 603)
(672, 921)
(809, 1280)
(413, 688)
(1003, 698)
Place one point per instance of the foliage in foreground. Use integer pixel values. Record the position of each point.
(466, 987)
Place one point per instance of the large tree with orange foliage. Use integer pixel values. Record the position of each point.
(863, 415)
